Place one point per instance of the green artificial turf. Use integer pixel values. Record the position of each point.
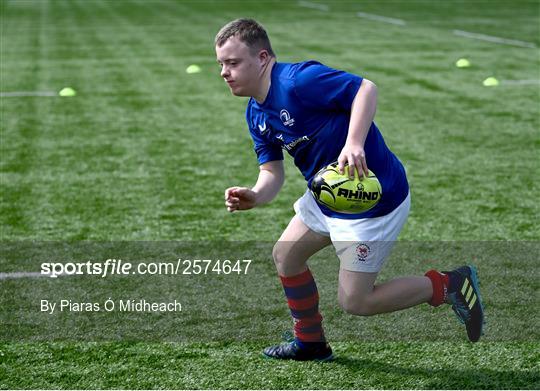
(144, 151)
(362, 365)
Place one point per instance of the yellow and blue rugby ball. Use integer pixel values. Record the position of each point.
(340, 193)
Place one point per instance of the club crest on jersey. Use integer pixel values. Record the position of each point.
(286, 118)
(362, 251)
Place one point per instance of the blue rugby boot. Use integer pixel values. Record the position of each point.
(464, 295)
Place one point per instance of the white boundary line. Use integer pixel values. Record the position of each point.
(490, 38)
(520, 82)
(15, 94)
(379, 18)
(307, 4)
(7, 276)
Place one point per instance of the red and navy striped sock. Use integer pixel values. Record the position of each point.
(303, 301)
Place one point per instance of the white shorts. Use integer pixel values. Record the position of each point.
(361, 245)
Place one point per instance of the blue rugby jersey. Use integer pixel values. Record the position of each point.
(307, 112)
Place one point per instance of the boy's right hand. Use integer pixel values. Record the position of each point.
(239, 198)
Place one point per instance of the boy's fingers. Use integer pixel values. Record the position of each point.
(352, 167)
(359, 169)
(341, 164)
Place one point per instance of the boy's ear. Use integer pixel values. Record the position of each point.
(263, 55)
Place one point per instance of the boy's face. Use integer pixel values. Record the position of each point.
(239, 67)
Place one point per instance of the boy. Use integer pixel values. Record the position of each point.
(320, 115)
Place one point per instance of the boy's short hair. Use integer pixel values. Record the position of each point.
(248, 31)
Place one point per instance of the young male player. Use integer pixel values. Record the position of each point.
(320, 115)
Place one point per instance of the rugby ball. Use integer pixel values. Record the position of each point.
(340, 193)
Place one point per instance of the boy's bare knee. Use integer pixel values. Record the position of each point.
(281, 253)
(291, 257)
(357, 306)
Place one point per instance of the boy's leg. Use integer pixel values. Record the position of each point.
(358, 295)
(363, 246)
(291, 252)
(296, 244)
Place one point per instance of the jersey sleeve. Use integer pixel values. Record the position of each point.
(265, 150)
(319, 86)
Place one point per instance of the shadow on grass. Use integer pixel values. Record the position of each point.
(448, 378)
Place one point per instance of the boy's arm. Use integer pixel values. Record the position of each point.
(269, 182)
(363, 111)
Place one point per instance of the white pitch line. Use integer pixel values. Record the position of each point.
(27, 93)
(379, 18)
(307, 4)
(7, 276)
(490, 38)
(520, 82)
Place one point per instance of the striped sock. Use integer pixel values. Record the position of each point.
(303, 300)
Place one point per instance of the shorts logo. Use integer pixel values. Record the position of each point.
(286, 118)
(362, 252)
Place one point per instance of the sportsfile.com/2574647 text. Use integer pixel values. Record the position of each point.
(118, 267)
